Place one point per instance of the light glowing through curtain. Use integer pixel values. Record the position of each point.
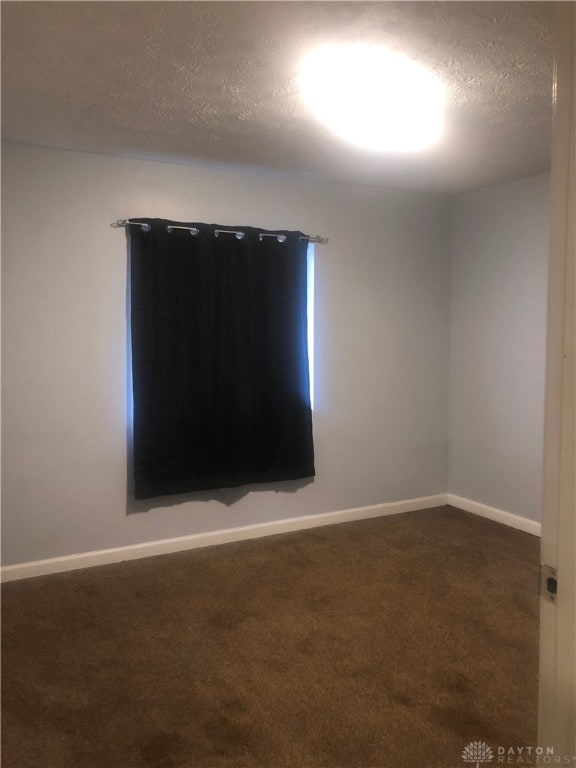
(310, 311)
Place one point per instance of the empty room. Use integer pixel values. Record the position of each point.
(286, 384)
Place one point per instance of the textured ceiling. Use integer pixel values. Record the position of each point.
(188, 81)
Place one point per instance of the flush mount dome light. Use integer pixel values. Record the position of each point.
(373, 97)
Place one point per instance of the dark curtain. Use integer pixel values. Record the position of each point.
(219, 358)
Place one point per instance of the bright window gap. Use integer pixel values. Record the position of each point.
(310, 312)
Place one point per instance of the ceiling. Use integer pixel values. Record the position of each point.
(216, 81)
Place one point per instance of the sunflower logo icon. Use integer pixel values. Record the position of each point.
(477, 752)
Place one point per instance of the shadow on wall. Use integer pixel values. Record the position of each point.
(226, 496)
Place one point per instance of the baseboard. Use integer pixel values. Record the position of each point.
(196, 541)
(492, 513)
(213, 538)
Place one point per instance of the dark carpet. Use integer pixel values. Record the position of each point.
(386, 642)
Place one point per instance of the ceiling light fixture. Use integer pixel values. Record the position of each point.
(373, 97)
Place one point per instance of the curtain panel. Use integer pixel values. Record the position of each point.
(219, 357)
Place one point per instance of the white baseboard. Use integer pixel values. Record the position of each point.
(492, 513)
(212, 538)
(195, 541)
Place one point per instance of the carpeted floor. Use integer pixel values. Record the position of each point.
(383, 643)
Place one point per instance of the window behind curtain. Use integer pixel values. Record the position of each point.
(221, 380)
(310, 318)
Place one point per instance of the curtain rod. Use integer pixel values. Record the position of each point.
(194, 231)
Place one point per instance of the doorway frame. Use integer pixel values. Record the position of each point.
(557, 679)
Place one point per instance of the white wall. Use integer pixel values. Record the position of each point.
(382, 301)
(497, 345)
